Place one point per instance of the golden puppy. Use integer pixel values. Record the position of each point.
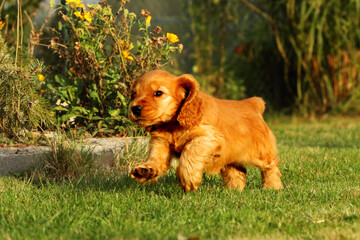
(206, 133)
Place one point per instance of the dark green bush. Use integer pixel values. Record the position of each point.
(22, 109)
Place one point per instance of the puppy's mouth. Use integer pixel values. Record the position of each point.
(145, 122)
(146, 119)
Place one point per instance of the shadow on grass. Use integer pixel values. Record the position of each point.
(167, 185)
(112, 181)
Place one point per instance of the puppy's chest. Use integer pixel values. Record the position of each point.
(176, 136)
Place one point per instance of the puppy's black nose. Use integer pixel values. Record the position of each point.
(136, 110)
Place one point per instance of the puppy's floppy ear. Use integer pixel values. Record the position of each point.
(191, 110)
(133, 88)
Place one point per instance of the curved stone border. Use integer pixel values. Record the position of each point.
(105, 151)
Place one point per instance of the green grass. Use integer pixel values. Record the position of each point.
(320, 163)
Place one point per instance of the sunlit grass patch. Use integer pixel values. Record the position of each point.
(321, 198)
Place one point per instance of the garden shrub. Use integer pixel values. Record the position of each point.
(99, 58)
(22, 108)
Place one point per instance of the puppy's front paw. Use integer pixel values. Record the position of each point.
(144, 173)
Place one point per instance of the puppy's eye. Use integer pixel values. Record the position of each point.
(158, 93)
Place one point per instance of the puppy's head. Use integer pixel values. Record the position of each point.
(159, 97)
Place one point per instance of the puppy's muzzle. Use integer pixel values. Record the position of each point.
(136, 110)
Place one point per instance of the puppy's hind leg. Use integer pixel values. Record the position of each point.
(271, 176)
(234, 176)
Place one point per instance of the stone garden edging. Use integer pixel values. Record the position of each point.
(105, 151)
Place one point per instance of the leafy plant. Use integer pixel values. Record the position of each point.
(66, 160)
(22, 108)
(100, 58)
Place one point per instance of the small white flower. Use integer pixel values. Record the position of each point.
(64, 104)
(72, 119)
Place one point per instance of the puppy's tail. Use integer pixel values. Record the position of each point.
(257, 103)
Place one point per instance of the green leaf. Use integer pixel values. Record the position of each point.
(81, 110)
(60, 26)
(122, 100)
(96, 118)
(114, 112)
(99, 125)
(94, 109)
(95, 96)
(61, 108)
(139, 45)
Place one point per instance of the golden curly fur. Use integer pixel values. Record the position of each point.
(207, 134)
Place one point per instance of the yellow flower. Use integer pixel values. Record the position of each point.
(172, 37)
(75, 3)
(126, 55)
(83, 16)
(2, 24)
(72, 70)
(126, 45)
(42, 91)
(123, 44)
(147, 21)
(88, 17)
(131, 46)
(41, 77)
(78, 14)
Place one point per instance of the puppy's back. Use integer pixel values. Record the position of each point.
(253, 105)
(257, 103)
(222, 111)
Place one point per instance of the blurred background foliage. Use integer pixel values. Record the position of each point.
(302, 57)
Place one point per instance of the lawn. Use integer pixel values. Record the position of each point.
(320, 163)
